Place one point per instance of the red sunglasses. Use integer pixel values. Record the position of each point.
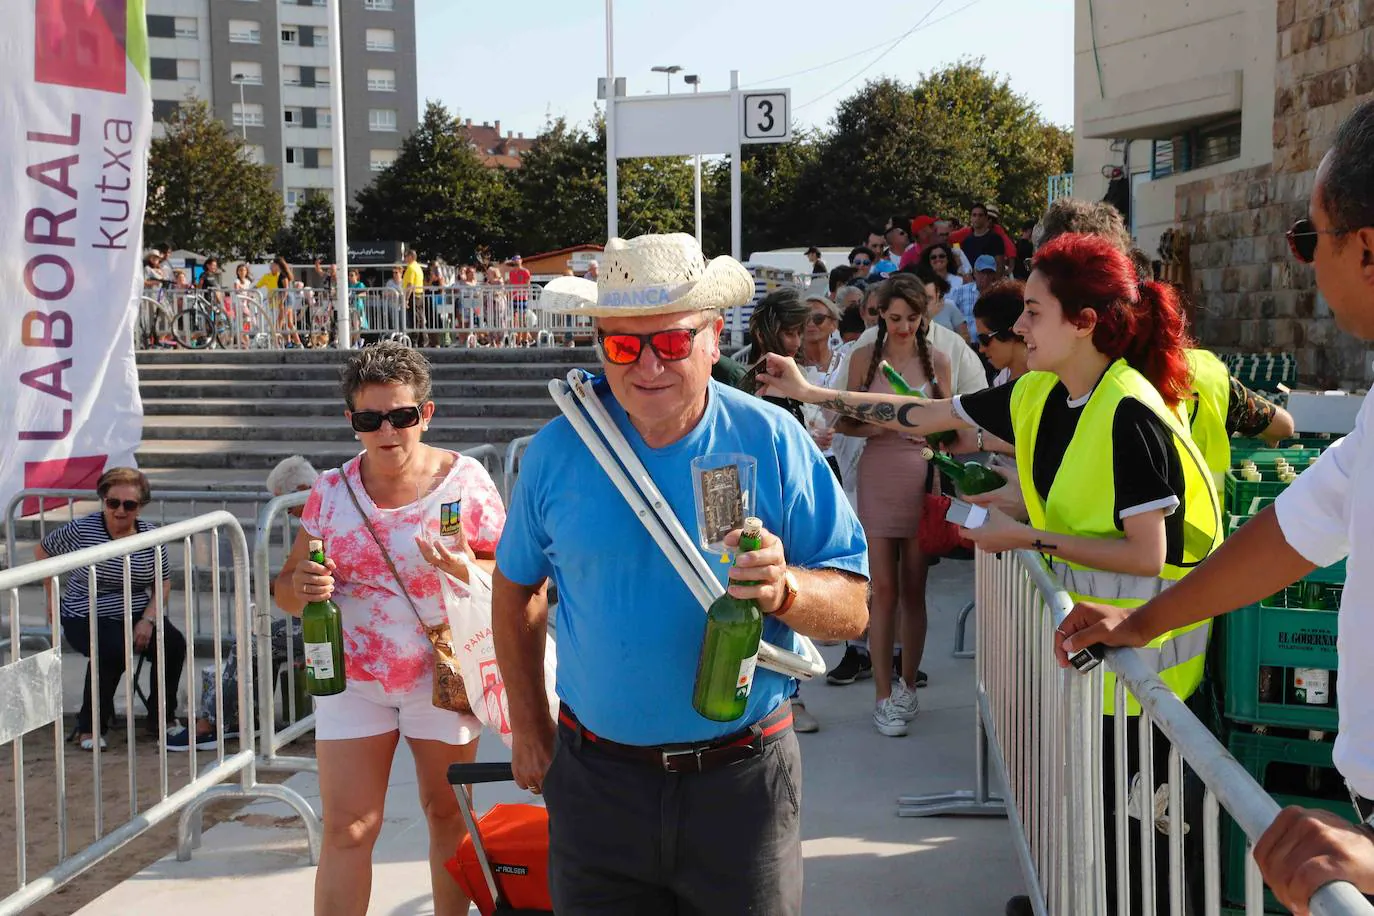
(670, 346)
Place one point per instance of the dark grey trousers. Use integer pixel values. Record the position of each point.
(626, 839)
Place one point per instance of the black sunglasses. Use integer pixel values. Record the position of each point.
(1303, 239)
(860, 262)
(369, 421)
(130, 505)
(819, 318)
(986, 339)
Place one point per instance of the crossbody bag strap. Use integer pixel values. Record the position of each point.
(386, 555)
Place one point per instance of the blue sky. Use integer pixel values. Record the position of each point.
(519, 62)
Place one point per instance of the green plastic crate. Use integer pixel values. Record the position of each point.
(1240, 492)
(1267, 458)
(1282, 638)
(1259, 754)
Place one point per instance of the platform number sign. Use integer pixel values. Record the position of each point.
(767, 118)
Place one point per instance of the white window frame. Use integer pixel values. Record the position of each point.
(322, 76)
(374, 40)
(249, 114)
(381, 120)
(288, 78)
(321, 37)
(251, 70)
(294, 196)
(324, 158)
(379, 6)
(380, 165)
(186, 27)
(251, 35)
(377, 83)
(294, 34)
(188, 63)
(324, 117)
(292, 116)
(294, 155)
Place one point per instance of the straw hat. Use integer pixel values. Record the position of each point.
(652, 275)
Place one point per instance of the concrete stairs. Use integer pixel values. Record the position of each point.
(243, 411)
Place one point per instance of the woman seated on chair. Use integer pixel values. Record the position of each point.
(123, 493)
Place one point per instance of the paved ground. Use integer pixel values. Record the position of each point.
(860, 858)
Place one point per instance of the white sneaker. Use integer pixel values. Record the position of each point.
(905, 701)
(888, 719)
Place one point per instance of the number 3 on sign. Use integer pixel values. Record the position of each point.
(766, 117)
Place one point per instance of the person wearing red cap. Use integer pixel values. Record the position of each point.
(922, 234)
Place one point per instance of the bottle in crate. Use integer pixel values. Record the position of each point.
(1311, 687)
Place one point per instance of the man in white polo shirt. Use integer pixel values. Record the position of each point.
(1324, 516)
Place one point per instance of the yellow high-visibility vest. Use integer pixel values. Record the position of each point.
(1082, 502)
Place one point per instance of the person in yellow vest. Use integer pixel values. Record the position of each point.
(1119, 497)
(1220, 406)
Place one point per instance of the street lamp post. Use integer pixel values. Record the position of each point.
(242, 78)
(694, 81)
(667, 74)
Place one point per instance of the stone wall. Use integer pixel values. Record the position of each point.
(1249, 294)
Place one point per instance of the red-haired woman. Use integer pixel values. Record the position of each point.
(1120, 499)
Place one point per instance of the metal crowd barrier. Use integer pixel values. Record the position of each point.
(60, 506)
(515, 449)
(486, 315)
(1040, 729)
(32, 688)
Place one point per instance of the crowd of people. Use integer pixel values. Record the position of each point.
(1058, 356)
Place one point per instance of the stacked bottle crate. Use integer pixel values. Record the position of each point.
(1276, 666)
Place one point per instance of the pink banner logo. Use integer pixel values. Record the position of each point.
(60, 474)
(81, 43)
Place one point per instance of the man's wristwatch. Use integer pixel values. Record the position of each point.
(789, 583)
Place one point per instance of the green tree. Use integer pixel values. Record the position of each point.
(560, 189)
(204, 192)
(437, 196)
(311, 232)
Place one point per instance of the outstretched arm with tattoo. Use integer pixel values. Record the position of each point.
(917, 416)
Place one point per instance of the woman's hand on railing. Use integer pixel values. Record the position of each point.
(1091, 624)
(1304, 849)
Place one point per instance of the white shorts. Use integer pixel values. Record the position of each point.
(364, 709)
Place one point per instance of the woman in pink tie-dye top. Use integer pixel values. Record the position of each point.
(411, 492)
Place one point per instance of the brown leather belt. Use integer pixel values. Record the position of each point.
(690, 758)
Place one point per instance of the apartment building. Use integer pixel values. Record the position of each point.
(265, 67)
(1219, 113)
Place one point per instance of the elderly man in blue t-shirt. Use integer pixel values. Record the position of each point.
(636, 826)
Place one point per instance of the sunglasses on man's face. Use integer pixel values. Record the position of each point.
(860, 262)
(985, 340)
(129, 505)
(670, 346)
(1303, 239)
(369, 421)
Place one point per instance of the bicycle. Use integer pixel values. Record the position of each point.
(155, 319)
(202, 322)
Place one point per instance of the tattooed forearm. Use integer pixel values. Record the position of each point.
(906, 415)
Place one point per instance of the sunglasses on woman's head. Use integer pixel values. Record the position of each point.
(369, 421)
(129, 505)
(1303, 239)
(670, 346)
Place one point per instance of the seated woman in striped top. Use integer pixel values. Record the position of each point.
(123, 493)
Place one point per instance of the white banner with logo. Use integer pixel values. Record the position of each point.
(75, 119)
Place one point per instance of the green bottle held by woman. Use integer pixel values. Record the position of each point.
(900, 386)
(322, 633)
(971, 477)
(730, 651)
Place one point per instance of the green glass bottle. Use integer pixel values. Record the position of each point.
(971, 477)
(730, 651)
(900, 386)
(322, 633)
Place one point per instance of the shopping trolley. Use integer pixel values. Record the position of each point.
(503, 862)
